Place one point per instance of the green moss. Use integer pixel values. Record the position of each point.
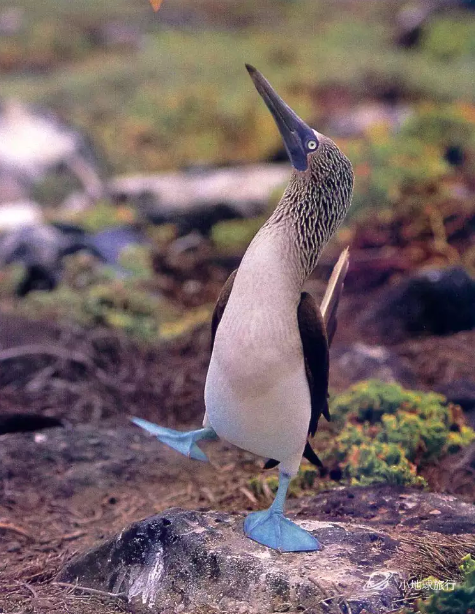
(388, 433)
(459, 599)
(189, 321)
(391, 168)
(235, 235)
(137, 259)
(449, 38)
(104, 215)
(368, 401)
(442, 125)
(374, 462)
(92, 295)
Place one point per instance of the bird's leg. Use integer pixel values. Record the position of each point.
(272, 529)
(184, 442)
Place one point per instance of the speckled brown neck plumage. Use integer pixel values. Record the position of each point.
(315, 203)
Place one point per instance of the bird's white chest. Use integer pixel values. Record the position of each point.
(256, 391)
(260, 403)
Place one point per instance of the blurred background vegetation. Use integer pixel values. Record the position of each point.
(165, 90)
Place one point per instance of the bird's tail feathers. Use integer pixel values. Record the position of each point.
(329, 306)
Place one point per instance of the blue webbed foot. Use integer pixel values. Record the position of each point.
(272, 529)
(185, 443)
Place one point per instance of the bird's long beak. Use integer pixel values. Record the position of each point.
(295, 132)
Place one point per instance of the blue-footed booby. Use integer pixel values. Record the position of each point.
(267, 381)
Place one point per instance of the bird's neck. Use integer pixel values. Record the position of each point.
(272, 264)
(298, 226)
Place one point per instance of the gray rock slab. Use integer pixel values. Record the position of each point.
(188, 561)
(430, 302)
(34, 141)
(18, 214)
(245, 189)
(64, 461)
(361, 361)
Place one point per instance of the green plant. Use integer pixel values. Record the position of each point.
(450, 38)
(457, 600)
(380, 433)
(235, 235)
(93, 295)
(388, 432)
(389, 165)
(103, 215)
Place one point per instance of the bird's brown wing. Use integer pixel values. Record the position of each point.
(317, 362)
(317, 329)
(221, 305)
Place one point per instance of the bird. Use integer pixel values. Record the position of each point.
(267, 381)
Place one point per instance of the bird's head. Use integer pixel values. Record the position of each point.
(308, 150)
(301, 142)
(319, 193)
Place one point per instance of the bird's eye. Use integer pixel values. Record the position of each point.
(312, 145)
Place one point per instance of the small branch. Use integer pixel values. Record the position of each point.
(248, 494)
(72, 536)
(30, 589)
(92, 591)
(44, 350)
(6, 526)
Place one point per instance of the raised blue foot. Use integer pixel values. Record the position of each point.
(272, 529)
(185, 443)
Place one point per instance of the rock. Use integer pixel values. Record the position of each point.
(361, 361)
(432, 302)
(34, 142)
(109, 243)
(93, 457)
(24, 423)
(359, 120)
(410, 23)
(40, 248)
(76, 202)
(461, 392)
(14, 215)
(201, 561)
(396, 508)
(31, 245)
(190, 197)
